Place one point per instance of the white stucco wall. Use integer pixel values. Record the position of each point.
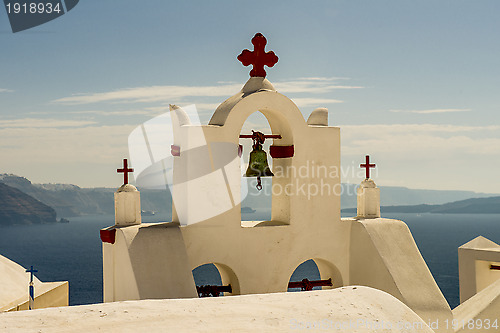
(14, 291)
(349, 309)
(474, 260)
(484, 275)
(256, 259)
(383, 255)
(156, 261)
(368, 200)
(127, 205)
(480, 312)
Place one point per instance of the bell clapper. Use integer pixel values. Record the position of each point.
(259, 184)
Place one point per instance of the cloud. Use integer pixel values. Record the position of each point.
(421, 141)
(417, 128)
(424, 155)
(315, 102)
(115, 113)
(46, 154)
(315, 85)
(205, 106)
(151, 94)
(43, 123)
(60, 145)
(319, 78)
(5, 90)
(171, 93)
(432, 111)
(147, 111)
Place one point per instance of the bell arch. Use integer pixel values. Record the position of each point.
(281, 113)
(285, 119)
(256, 204)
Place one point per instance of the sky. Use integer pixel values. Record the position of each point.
(414, 84)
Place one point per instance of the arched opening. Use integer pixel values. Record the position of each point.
(256, 204)
(307, 270)
(214, 279)
(315, 274)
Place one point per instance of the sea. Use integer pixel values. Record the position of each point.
(72, 251)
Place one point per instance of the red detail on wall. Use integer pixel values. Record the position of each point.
(258, 57)
(108, 235)
(125, 170)
(175, 150)
(281, 151)
(240, 150)
(367, 166)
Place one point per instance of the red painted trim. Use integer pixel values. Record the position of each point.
(281, 151)
(108, 235)
(175, 150)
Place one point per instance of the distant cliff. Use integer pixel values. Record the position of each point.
(389, 196)
(71, 200)
(399, 196)
(489, 205)
(17, 207)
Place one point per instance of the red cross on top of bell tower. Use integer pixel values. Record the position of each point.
(367, 166)
(125, 170)
(259, 57)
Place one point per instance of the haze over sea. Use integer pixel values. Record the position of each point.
(72, 251)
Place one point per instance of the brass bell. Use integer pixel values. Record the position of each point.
(258, 166)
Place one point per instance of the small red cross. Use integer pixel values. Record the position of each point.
(259, 57)
(367, 166)
(125, 170)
